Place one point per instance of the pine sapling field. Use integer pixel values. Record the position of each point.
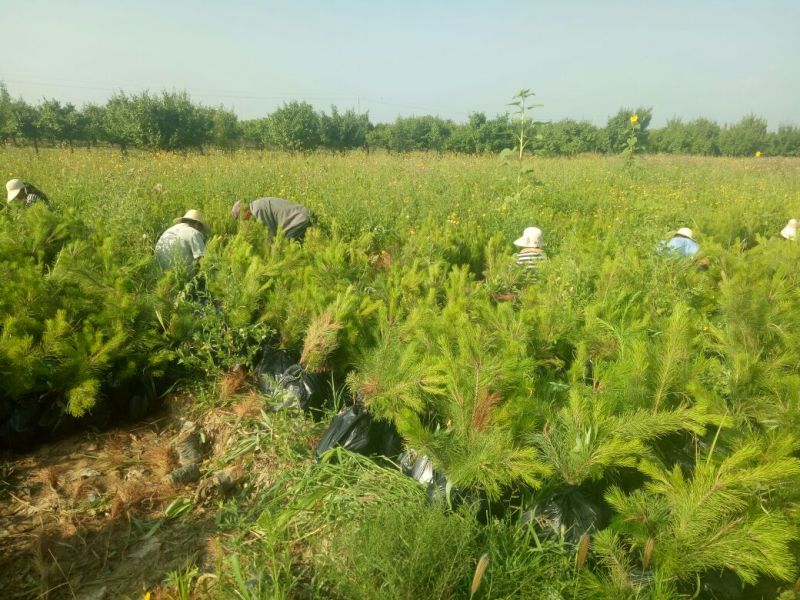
(615, 423)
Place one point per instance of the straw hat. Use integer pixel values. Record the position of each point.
(194, 216)
(13, 187)
(686, 232)
(790, 231)
(531, 238)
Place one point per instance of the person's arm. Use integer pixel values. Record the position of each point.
(198, 245)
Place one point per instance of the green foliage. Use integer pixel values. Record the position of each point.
(568, 137)
(785, 141)
(666, 391)
(77, 320)
(294, 127)
(480, 135)
(368, 534)
(719, 517)
(414, 133)
(622, 134)
(8, 123)
(343, 131)
(171, 121)
(700, 136)
(744, 138)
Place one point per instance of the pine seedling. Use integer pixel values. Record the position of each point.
(322, 339)
(719, 517)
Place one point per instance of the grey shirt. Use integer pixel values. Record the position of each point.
(277, 212)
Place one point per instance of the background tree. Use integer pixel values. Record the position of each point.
(51, 121)
(419, 133)
(225, 132)
(121, 124)
(568, 137)
(745, 138)
(8, 122)
(93, 118)
(700, 136)
(617, 129)
(294, 127)
(254, 133)
(27, 122)
(785, 141)
(344, 131)
(378, 137)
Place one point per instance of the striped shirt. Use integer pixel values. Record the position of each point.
(32, 195)
(531, 257)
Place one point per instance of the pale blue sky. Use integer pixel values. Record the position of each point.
(584, 59)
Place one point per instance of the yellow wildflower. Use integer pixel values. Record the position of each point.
(634, 119)
(758, 153)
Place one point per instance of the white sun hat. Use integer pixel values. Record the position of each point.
(685, 232)
(13, 187)
(194, 216)
(790, 231)
(531, 238)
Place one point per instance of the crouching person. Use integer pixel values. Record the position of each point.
(531, 247)
(25, 194)
(183, 245)
(682, 243)
(276, 213)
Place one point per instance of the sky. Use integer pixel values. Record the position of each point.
(584, 59)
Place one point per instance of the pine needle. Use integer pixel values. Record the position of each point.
(322, 339)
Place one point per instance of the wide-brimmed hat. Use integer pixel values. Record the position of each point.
(686, 232)
(13, 187)
(531, 238)
(790, 231)
(194, 216)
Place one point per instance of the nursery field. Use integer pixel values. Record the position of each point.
(617, 423)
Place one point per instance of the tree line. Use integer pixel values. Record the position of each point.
(171, 121)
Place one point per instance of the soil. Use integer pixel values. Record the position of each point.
(84, 517)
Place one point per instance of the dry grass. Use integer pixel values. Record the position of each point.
(583, 550)
(116, 448)
(250, 406)
(47, 477)
(160, 459)
(137, 497)
(232, 384)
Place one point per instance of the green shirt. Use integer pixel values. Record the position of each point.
(277, 212)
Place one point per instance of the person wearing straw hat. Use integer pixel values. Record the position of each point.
(531, 247)
(790, 231)
(183, 244)
(276, 213)
(24, 194)
(682, 243)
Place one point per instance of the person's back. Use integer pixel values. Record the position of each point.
(276, 213)
(531, 257)
(684, 246)
(179, 246)
(681, 243)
